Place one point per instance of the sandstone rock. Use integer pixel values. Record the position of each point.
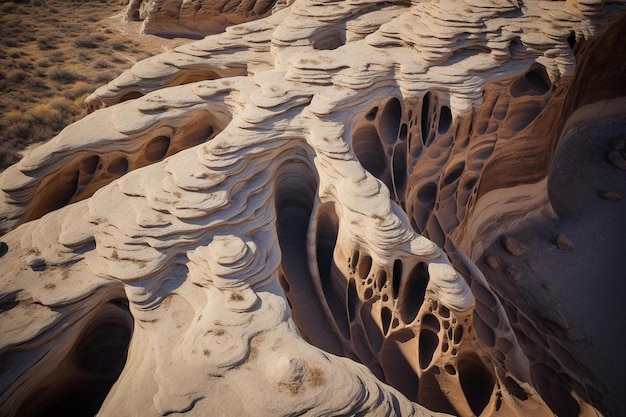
(514, 246)
(611, 196)
(246, 206)
(491, 261)
(196, 17)
(564, 243)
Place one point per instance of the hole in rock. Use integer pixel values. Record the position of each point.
(458, 334)
(450, 369)
(513, 387)
(328, 40)
(82, 380)
(365, 266)
(352, 300)
(369, 150)
(396, 278)
(428, 342)
(427, 194)
(89, 164)
(157, 148)
(390, 119)
(118, 166)
(534, 83)
(454, 173)
(445, 120)
(371, 115)
(399, 168)
(381, 280)
(426, 117)
(296, 186)
(385, 317)
(403, 132)
(431, 321)
(413, 293)
(571, 40)
(476, 381)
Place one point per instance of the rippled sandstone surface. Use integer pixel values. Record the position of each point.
(286, 218)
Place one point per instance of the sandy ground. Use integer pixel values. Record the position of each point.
(583, 288)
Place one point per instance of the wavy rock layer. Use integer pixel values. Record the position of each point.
(281, 219)
(197, 18)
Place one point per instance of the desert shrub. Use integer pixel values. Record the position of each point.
(8, 7)
(84, 56)
(103, 78)
(16, 76)
(57, 57)
(101, 64)
(89, 42)
(14, 117)
(46, 43)
(27, 66)
(11, 43)
(37, 83)
(118, 46)
(79, 89)
(64, 76)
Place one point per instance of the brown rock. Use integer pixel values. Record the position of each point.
(491, 261)
(564, 243)
(514, 246)
(616, 159)
(611, 195)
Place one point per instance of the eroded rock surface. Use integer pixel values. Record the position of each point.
(282, 219)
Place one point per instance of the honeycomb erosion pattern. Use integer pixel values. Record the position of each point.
(282, 219)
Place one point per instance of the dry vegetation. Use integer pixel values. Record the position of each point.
(53, 54)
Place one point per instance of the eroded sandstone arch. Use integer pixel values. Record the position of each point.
(268, 198)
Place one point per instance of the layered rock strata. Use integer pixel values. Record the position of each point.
(282, 219)
(197, 18)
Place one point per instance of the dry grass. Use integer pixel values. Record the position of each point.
(53, 54)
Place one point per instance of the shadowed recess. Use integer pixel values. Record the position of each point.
(296, 186)
(476, 381)
(82, 380)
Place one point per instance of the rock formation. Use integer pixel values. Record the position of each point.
(197, 17)
(283, 218)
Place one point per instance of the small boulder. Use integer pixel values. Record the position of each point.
(514, 246)
(564, 243)
(491, 261)
(611, 196)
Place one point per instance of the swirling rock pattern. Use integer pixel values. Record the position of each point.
(281, 219)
